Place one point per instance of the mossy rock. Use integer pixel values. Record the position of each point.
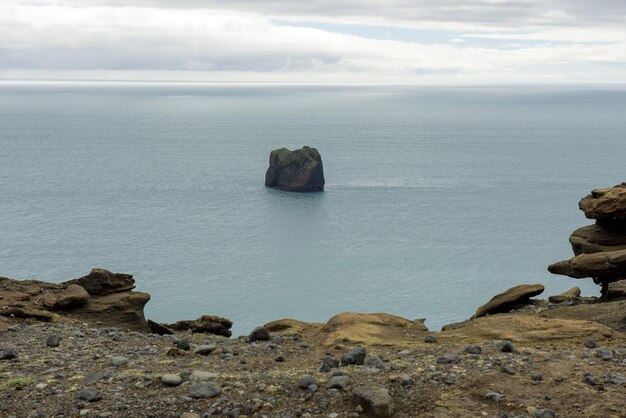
(300, 170)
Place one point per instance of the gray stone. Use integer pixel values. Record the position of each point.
(590, 343)
(53, 340)
(118, 361)
(544, 413)
(200, 375)
(259, 334)
(430, 339)
(201, 390)
(615, 379)
(374, 400)
(450, 358)
(354, 356)
(604, 353)
(89, 394)
(494, 396)
(171, 379)
(338, 382)
(306, 381)
(328, 364)
(472, 349)
(204, 350)
(8, 355)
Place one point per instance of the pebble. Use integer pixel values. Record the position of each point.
(451, 358)
(338, 382)
(53, 340)
(508, 347)
(8, 355)
(615, 379)
(509, 370)
(182, 345)
(189, 415)
(472, 349)
(494, 396)
(354, 356)
(199, 390)
(84, 412)
(536, 377)
(41, 386)
(89, 394)
(172, 379)
(205, 349)
(544, 413)
(306, 381)
(604, 353)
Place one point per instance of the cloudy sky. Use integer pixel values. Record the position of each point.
(386, 41)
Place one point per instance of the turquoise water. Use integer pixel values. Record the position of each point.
(436, 198)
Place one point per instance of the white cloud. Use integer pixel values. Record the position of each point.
(239, 40)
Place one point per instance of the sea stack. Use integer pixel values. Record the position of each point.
(600, 249)
(300, 170)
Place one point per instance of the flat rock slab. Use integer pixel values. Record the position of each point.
(608, 266)
(509, 299)
(571, 294)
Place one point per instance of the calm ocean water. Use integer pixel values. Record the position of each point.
(436, 198)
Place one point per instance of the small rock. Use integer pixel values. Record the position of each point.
(198, 390)
(8, 355)
(53, 340)
(604, 353)
(259, 334)
(182, 345)
(189, 415)
(200, 375)
(354, 356)
(509, 370)
(536, 377)
(615, 379)
(374, 400)
(338, 382)
(494, 396)
(451, 358)
(544, 413)
(84, 412)
(172, 379)
(590, 343)
(472, 349)
(306, 381)
(590, 380)
(89, 394)
(328, 364)
(430, 339)
(507, 347)
(204, 350)
(118, 361)
(41, 386)
(279, 359)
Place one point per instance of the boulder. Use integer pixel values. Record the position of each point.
(103, 282)
(606, 267)
(598, 238)
(509, 299)
(300, 170)
(206, 324)
(259, 334)
(374, 400)
(571, 294)
(159, 329)
(72, 295)
(605, 205)
(118, 310)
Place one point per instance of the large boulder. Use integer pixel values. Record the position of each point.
(509, 299)
(605, 205)
(295, 171)
(207, 324)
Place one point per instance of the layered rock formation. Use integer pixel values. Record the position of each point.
(295, 171)
(100, 298)
(509, 299)
(600, 249)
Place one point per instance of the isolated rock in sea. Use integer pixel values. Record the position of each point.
(207, 324)
(605, 205)
(300, 170)
(509, 299)
(571, 294)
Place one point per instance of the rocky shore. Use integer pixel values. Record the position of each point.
(83, 347)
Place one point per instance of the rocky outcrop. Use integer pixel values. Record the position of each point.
(295, 171)
(100, 298)
(568, 295)
(600, 249)
(205, 324)
(611, 314)
(509, 299)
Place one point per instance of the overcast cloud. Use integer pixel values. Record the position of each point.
(398, 41)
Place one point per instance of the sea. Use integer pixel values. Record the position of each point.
(436, 198)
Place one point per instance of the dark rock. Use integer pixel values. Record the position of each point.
(53, 340)
(8, 355)
(354, 356)
(199, 390)
(89, 394)
(494, 396)
(204, 350)
(509, 299)
(104, 282)
(374, 400)
(206, 324)
(590, 380)
(300, 170)
(182, 345)
(507, 347)
(259, 334)
(328, 364)
(568, 295)
(590, 343)
(604, 353)
(544, 413)
(472, 349)
(451, 358)
(430, 339)
(159, 329)
(615, 379)
(537, 377)
(338, 382)
(306, 381)
(509, 370)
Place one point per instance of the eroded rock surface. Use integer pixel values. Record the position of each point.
(300, 170)
(509, 299)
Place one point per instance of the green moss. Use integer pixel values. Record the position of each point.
(15, 383)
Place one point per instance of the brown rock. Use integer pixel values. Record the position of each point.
(72, 295)
(103, 282)
(605, 205)
(509, 299)
(119, 310)
(528, 328)
(607, 267)
(571, 294)
(205, 324)
(159, 329)
(617, 290)
(611, 314)
(598, 238)
(374, 400)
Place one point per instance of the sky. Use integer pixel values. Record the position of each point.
(344, 41)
